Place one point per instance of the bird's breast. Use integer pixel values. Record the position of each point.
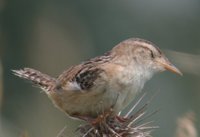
(127, 84)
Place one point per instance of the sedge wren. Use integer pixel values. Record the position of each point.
(113, 79)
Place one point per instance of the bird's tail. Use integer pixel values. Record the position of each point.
(41, 80)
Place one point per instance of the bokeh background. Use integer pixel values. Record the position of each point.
(51, 35)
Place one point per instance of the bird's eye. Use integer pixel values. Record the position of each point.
(152, 55)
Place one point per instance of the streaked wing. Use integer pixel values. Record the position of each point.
(82, 77)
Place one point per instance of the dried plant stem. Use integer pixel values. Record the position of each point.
(130, 126)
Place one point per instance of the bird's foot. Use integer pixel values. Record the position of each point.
(95, 121)
(102, 117)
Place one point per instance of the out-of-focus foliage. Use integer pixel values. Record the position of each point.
(1, 84)
(52, 35)
(186, 126)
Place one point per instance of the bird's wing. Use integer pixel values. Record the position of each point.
(79, 78)
(82, 77)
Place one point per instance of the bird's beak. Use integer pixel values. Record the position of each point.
(169, 66)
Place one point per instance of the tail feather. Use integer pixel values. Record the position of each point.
(41, 80)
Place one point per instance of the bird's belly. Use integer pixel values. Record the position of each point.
(95, 102)
(127, 93)
(90, 104)
(128, 96)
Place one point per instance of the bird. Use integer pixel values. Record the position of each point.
(111, 80)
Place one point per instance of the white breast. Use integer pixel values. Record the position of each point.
(128, 82)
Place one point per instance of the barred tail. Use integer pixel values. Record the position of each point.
(41, 80)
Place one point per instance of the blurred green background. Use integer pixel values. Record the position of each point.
(51, 35)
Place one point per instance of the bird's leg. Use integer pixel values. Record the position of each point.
(95, 121)
(102, 117)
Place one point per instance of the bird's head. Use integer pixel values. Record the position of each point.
(143, 54)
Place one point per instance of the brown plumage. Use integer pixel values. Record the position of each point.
(112, 79)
